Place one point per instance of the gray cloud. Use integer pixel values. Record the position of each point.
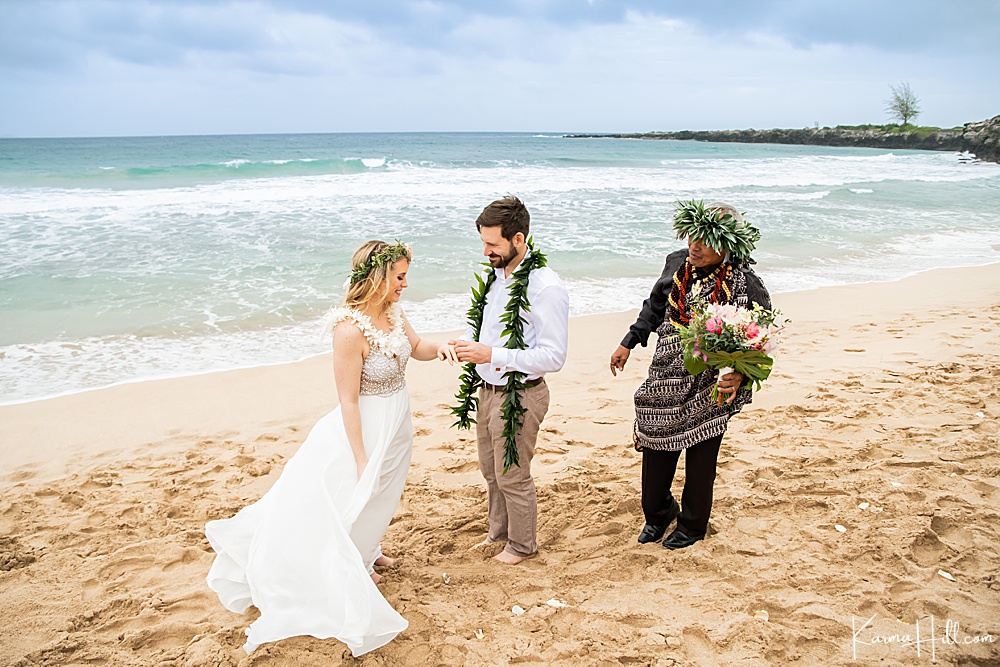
(52, 35)
(152, 66)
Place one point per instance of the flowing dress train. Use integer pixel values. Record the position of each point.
(302, 554)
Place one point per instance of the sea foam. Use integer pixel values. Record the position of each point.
(227, 250)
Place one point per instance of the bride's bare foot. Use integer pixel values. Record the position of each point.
(384, 561)
(376, 577)
(511, 559)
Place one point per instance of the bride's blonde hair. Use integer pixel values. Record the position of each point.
(369, 280)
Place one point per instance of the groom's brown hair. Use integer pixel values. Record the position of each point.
(509, 214)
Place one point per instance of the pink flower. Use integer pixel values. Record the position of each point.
(713, 325)
(751, 330)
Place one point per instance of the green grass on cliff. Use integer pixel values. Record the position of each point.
(921, 131)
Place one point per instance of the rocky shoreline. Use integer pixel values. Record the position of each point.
(982, 139)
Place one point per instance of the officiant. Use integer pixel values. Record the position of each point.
(673, 409)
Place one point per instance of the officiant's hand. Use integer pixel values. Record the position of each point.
(447, 353)
(470, 350)
(618, 359)
(729, 384)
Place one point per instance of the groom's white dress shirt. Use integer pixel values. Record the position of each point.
(546, 328)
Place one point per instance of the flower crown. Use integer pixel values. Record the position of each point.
(719, 231)
(386, 255)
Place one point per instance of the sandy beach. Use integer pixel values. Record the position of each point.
(855, 507)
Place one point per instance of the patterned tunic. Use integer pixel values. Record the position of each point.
(673, 409)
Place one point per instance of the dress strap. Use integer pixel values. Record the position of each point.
(391, 343)
(356, 317)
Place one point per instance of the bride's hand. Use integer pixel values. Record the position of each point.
(447, 353)
(362, 464)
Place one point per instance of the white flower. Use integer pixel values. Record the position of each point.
(392, 343)
(731, 314)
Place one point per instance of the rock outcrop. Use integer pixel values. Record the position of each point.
(983, 139)
(980, 139)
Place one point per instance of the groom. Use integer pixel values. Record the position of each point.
(513, 507)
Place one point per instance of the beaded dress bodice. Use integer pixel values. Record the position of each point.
(383, 371)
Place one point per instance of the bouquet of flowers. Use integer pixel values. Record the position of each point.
(731, 338)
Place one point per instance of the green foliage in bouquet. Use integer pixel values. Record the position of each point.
(750, 363)
(733, 338)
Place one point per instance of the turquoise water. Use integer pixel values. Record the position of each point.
(130, 258)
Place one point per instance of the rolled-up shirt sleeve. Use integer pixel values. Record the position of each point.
(550, 311)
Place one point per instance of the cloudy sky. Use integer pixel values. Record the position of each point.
(139, 67)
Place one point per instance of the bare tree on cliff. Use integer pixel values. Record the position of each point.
(903, 105)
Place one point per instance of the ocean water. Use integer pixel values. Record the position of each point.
(131, 258)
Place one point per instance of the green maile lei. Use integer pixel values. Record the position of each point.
(511, 409)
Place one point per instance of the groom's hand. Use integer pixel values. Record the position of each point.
(470, 350)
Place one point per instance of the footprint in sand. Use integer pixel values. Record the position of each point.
(100, 480)
(698, 647)
(176, 556)
(459, 465)
(91, 588)
(952, 533)
(74, 499)
(926, 550)
(906, 590)
(23, 474)
(952, 502)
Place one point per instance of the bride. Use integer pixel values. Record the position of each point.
(304, 554)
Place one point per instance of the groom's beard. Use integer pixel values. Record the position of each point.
(501, 261)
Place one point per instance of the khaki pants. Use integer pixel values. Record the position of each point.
(512, 504)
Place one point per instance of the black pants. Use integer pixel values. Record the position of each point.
(658, 470)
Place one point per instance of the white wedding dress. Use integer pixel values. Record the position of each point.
(302, 554)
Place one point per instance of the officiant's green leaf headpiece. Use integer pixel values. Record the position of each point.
(716, 227)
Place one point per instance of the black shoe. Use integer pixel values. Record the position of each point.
(651, 533)
(679, 539)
